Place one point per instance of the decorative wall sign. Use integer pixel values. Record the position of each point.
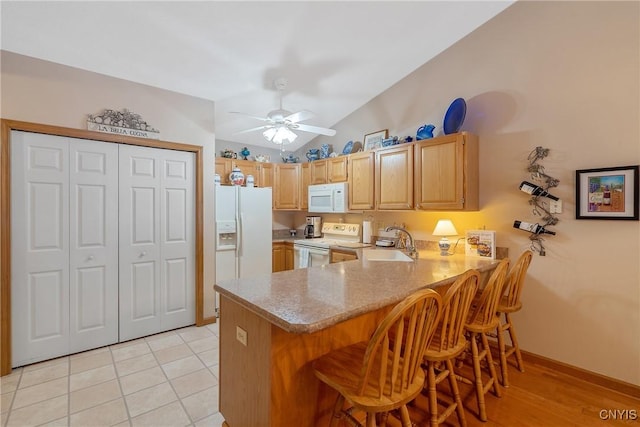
(122, 122)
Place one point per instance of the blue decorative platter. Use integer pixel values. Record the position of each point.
(454, 117)
(347, 148)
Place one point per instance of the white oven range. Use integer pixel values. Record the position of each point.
(315, 252)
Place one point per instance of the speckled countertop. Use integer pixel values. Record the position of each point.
(310, 299)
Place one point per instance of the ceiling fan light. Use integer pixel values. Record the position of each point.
(279, 135)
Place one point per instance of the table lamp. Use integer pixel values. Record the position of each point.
(444, 228)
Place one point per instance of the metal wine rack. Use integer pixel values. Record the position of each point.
(540, 204)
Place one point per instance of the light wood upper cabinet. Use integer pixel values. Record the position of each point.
(223, 168)
(287, 186)
(247, 167)
(337, 170)
(394, 177)
(305, 180)
(361, 180)
(318, 171)
(446, 173)
(265, 174)
(329, 170)
(262, 172)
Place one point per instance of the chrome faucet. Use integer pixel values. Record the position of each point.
(411, 247)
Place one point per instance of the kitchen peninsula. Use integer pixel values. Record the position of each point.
(272, 326)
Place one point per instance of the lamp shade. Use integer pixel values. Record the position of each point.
(279, 135)
(445, 227)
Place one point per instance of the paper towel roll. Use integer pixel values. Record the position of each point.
(366, 231)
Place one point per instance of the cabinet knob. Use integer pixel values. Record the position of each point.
(143, 253)
(90, 258)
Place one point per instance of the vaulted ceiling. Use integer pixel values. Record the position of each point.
(336, 55)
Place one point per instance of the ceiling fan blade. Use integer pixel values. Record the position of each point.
(314, 129)
(263, 119)
(254, 129)
(300, 116)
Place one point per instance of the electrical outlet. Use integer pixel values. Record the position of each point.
(555, 206)
(241, 335)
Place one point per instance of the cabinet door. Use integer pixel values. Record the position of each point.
(277, 257)
(394, 178)
(337, 170)
(287, 186)
(288, 256)
(39, 247)
(447, 173)
(318, 170)
(361, 180)
(265, 175)
(93, 243)
(247, 167)
(223, 168)
(305, 180)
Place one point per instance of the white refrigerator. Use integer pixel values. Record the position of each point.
(243, 232)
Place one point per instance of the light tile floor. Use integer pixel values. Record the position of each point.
(169, 379)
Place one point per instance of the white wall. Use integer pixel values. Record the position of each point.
(564, 76)
(43, 92)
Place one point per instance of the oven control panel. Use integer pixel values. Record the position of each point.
(341, 229)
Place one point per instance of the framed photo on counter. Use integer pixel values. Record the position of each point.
(480, 243)
(607, 193)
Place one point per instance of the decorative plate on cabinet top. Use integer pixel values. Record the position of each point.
(347, 148)
(454, 117)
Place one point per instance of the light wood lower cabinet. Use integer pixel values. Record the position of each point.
(394, 178)
(282, 256)
(340, 255)
(446, 173)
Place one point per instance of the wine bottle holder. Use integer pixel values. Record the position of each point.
(540, 204)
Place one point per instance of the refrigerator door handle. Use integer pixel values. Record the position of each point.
(239, 238)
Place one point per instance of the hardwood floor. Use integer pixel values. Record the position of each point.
(544, 397)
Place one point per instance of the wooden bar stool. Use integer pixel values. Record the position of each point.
(482, 320)
(447, 344)
(510, 303)
(383, 374)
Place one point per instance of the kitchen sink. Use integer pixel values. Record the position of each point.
(385, 255)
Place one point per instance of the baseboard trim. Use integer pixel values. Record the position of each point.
(592, 377)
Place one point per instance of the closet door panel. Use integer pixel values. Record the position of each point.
(39, 247)
(178, 239)
(139, 245)
(94, 244)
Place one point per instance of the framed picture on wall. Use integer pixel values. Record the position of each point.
(607, 193)
(374, 140)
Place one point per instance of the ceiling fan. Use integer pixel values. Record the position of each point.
(280, 124)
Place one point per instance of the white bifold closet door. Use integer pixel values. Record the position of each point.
(64, 246)
(157, 240)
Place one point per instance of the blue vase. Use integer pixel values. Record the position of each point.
(324, 151)
(425, 132)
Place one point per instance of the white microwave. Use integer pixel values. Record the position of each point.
(329, 198)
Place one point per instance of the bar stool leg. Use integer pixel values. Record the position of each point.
(514, 342)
